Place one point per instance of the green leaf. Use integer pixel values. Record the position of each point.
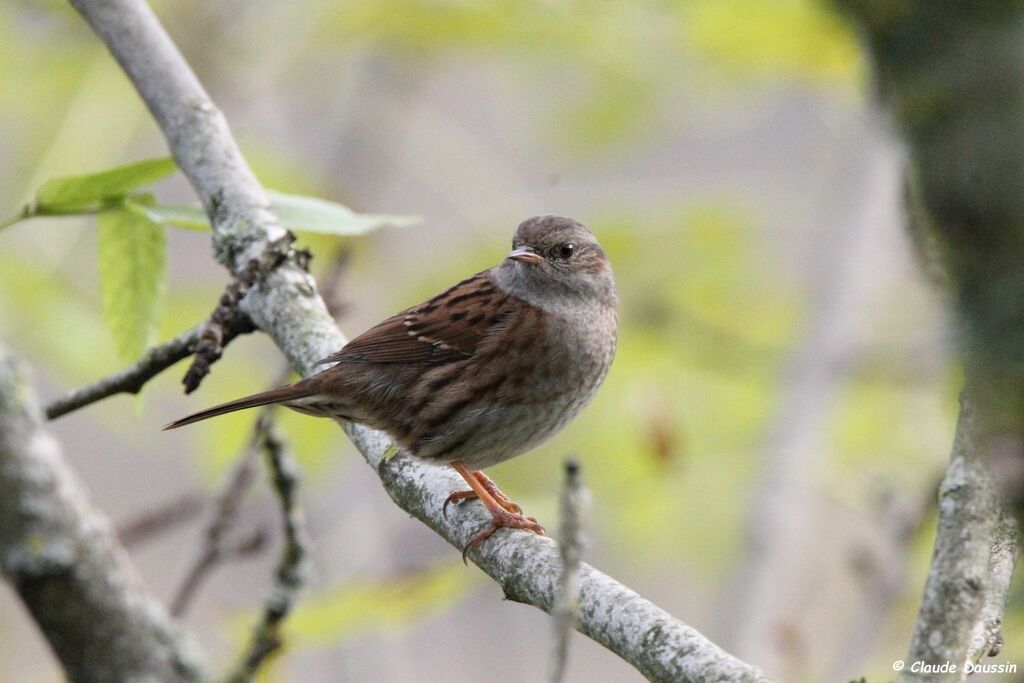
(309, 214)
(132, 260)
(178, 215)
(296, 212)
(95, 188)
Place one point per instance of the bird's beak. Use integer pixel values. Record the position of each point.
(525, 254)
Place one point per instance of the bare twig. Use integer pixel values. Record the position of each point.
(62, 557)
(292, 568)
(570, 546)
(286, 306)
(133, 378)
(217, 330)
(157, 520)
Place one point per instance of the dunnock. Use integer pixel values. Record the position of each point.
(483, 371)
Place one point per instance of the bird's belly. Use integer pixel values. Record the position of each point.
(518, 405)
(503, 428)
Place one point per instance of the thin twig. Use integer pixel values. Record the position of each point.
(216, 331)
(134, 377)
(293, 567)
(570, 546)
(160, 519)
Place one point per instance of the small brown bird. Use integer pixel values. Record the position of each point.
(483, 371)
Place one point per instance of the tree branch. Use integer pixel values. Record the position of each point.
(153, 362)
(164, 517)
(987, 637)
(224, 322)
(63, 558)
(131, 379)
(287, 307)
(958, 581)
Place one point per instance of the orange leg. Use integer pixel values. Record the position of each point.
(492, 488)
(506, 514)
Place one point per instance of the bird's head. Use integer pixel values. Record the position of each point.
(557, 257)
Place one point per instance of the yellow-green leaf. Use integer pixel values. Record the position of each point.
(132, 260)
(309, 214)
(184, 216)
(61, 194)
(296, 212)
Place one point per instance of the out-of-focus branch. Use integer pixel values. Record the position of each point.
(64, 560)
(161, 518)
(216, 545)
(292, 568)
(287, 307)
(774, 579)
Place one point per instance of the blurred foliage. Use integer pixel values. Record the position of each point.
(768, 39)
(365, 608)
(614, 57)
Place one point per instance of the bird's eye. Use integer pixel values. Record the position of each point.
(565, 251)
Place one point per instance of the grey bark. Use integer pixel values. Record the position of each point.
(959, 578)
(64, 560)
(287, 307)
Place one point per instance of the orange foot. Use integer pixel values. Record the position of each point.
(499, 496)
(505, 512)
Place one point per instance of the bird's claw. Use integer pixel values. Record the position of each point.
(503, 519)
(456, 497)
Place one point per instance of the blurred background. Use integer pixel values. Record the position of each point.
(764, 454)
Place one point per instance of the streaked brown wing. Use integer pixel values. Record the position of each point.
(449, 327)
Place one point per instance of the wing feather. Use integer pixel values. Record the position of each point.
(449, 327)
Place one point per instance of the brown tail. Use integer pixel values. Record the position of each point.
(288, 393)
